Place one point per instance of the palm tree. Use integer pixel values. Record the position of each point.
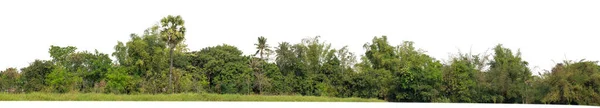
(262, 47)
(173, 33)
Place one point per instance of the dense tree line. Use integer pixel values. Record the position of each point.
(158, 61)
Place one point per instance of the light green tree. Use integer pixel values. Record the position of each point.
(574, 83)
(460, 78)
(61, 81)
(144, 57)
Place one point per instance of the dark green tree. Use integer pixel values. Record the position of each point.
(226, 69)
(33, 76)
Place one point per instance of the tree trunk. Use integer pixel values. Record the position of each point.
(261, 54)
(171, 70)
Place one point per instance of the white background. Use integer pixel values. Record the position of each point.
(546, 31)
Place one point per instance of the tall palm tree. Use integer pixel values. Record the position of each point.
(173, 32)
(262, 47)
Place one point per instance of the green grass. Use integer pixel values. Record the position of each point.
(172, 97)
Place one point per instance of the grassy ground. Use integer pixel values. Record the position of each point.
(172, 97)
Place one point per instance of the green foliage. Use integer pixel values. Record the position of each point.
(199, 80)
(146, 60)
(422, 72)
(226, 69)
(262, 47)
(289, 65)
(460, 78)
(60, 54)
(508, 74)
(158, 61)
(278, 84)
(173, 32)
(10, 80)
(34, 75)
(184, 81)
(90, 67)
(380, 60)
(369, 83)
(61, 81)
(261, 81)
(407, 74)
(575, 83)
(118, 81)
(287, 61)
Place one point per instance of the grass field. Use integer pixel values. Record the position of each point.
(172, 97)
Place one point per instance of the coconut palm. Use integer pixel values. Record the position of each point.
(262, 48)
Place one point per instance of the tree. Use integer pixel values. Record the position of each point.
(262, 47)
(9, 80)
(173, 32)
(312, 53)
(198, 76)
(60, 54)
(61, 81)
(369, 82)
(225, 68)
(91, 67)
(257, 64)
(381, 59)
(538, 88)
(574, 83)
(420, 75)
(396, 73)
(33, 76)
(98, 65)
(118, 81)
(289, 65)
(121, 54)
(144, 57)
(276, 80)
(286, 60)
(408, 74)
(330, 75)
(63, 77)
(460, 78)
(261, 79)
(508, 74)
(347, 59)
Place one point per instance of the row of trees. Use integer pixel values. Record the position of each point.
(157, 61)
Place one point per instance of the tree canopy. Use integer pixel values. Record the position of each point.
(158, 61)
